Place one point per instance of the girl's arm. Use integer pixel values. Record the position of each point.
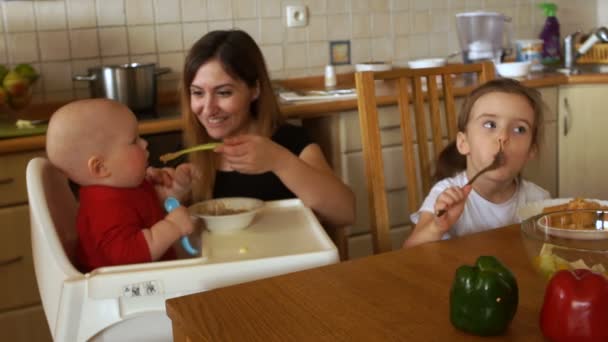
(430, 227)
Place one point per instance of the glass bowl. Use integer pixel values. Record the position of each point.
(569, 239)
(227, 215)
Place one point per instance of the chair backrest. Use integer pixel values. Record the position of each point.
(409, 87)
(53, 211)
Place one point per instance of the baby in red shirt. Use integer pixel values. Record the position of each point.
(121, 220)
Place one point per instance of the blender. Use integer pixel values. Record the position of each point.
(481, 36)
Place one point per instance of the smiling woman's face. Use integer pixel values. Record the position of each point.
(220, 102)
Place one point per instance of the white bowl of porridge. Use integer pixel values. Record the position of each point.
(227, 215)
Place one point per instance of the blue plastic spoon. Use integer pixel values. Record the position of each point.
(170, 204)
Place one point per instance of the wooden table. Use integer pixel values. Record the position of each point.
(401, 295)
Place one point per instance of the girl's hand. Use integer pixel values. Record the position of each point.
(251, 154)
(452, 200)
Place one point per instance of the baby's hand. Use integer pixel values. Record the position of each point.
(172, 182)
(180, 217)
(452, 200)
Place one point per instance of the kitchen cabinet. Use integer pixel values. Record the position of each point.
(543, 169)
(583, 165)
(21, 315)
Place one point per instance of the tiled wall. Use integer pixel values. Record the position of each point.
(63, 38)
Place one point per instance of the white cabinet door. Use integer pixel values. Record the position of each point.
(582, 122)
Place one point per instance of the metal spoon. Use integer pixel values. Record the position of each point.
(499, 159)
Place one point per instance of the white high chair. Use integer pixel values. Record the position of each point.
(127, 303)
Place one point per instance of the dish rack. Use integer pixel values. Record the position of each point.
(597, 54)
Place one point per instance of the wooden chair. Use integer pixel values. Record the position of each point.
(409, 87)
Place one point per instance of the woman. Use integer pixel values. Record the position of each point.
(227, 95)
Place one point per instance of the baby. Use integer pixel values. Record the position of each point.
(121, 219)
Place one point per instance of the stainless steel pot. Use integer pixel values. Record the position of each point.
(131, 84)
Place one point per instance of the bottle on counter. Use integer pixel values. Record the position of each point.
(550, 35)
(330, 76)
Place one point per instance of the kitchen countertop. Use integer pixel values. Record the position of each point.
(301, 110)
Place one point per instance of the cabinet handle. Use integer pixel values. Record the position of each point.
(6, 180)
(14, 260)
(566, 116)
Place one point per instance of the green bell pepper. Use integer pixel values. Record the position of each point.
(483, 298)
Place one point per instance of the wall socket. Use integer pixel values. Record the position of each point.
(297, 15)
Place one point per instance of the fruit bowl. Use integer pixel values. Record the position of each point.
(227, 215)
(569, 239)
(16, 87)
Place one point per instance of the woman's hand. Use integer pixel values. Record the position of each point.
(452, 200)
(251, 154)
(172, 182)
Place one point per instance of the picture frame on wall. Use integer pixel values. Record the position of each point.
(339, 52)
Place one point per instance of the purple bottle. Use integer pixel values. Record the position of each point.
(550, 35)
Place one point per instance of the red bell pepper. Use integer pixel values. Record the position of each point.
(575, 307)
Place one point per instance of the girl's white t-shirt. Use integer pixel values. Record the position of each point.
(480, 214)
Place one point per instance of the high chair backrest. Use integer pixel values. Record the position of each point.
(409, 87)
(52, 218)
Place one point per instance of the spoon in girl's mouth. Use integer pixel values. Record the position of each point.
(170, 156)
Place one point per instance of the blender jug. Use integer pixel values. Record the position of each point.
(481, 36)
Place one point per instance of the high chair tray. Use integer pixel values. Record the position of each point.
(281, 228)
(285, 237)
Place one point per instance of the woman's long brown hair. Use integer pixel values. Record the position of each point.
(450, 161)
(242, 59)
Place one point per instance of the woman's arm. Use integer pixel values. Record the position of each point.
(308, 175)
(312, 180)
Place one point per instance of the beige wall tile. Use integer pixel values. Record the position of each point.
(361, 25)
(59, 96)
(361, 50)
(400, 5)
(318, 54)
(54, 45)
(296, 56)
(84, 43)
(318, 28)
(271, 31)
(174, 61)
(379, 5)
(19, 16)
(270, 8)
(219, 10)
(115, 60)
(381, 24)
(22, 47)
(382, 49)
(337, 6)
(3, 52)
(57, 76)
(141, 39)
(144, 59)
(421, 21)
(220, 25)
(167, 11)
(113, 41)
(50, 15)
(82, 13)
(418, 46)
(245, 9)
(194, 10)
(441, 21)
(438, 44)
(401, 23)
(110, 12)
(296, 34)
(169, 37)
(338, 26)
(360, 5)
(273, 54)
(139, 12)
(317, 7)
(401, 48)
(251, 26)
(193, 32)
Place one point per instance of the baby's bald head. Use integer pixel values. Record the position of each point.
(81, 130)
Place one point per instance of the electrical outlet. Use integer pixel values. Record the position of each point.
(297, 15)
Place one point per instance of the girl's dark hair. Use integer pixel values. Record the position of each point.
(242, 59)
(450, 161)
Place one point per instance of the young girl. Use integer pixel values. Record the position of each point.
(501, 111)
